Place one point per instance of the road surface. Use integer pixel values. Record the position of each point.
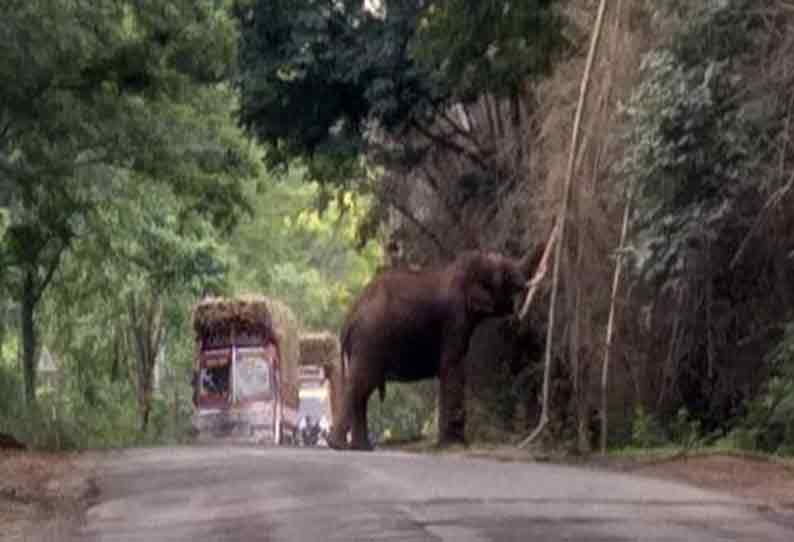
(236, 494)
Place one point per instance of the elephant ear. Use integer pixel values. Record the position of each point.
(479, 300)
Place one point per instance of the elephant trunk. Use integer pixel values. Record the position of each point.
(530, 261)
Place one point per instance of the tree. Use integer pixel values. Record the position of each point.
(311, 260)
(91, 91)
(155, 256)
(711, 171)
(374, 77)
(171, 259)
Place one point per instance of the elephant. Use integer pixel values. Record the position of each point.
(409, 325)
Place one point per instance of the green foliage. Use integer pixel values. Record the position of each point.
(646, 431)
(769, 423)
(407, 414)
(685, 430)
(64, 420)
(687, 148)
(295, 53)
(688, 140)
(703, 158)
(308, 258)
(681, 431)
(123, 180)
(150, 248)
(387, 71)
(101, 104)
(471, 47)
(92, 92)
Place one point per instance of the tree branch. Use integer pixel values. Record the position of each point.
(53, 267)
(451, 145)
(446, 251)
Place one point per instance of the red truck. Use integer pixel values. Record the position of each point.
(245, 370)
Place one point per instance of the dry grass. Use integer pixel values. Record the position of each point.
(319, 348)
(216, 314)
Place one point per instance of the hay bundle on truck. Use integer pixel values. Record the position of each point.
(245, 379)
(320, 378)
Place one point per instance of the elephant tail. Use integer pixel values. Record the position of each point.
(344, 351)
(345, 360)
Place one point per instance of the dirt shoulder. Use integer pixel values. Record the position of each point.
(41, 494)
(767, 482)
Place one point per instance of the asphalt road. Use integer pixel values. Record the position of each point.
(234, 494)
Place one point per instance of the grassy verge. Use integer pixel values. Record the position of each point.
(617, 456)
(672, 453)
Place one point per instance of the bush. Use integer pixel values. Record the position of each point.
(685, 430)
(41, 426)
(769, 423)
(646, 431)
(406, 413)
(63, 419)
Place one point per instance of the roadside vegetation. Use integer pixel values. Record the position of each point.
(152, 152)
(127, 191)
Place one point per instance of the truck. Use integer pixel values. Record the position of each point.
(319, 384)
(245, 372)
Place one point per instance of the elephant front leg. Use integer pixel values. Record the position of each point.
(337, 437)
(360, 434)
(452, 408)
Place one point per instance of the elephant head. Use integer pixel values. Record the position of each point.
(493, 283)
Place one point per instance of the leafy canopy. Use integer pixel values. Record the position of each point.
(321, 79)
(308, 258)
(97, 99)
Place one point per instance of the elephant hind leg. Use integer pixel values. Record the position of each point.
(361, 384)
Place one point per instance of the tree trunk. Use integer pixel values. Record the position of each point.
(146, 331)
(2, 329)
(175, 389)
(145, 406)
(114, 368)
(611, 323)
(29, 339)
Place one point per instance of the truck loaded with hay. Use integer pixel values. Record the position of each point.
(319, 383)
(245, 378)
